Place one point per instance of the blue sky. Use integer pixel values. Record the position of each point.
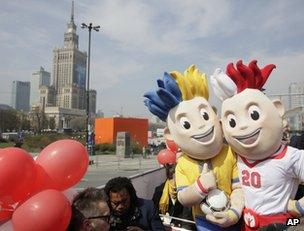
(139, 40)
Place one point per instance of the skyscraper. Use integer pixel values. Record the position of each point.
(20, 98)
(65, 99)
(69, 70)
(296, 99)
(39, 78)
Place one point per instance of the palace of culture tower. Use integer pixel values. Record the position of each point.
(66, 98)
(69, 70)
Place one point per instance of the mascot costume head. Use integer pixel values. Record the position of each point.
(181, 100)
(192, 124)
(252, 123)
(253, 126)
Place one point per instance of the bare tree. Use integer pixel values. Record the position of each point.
(38, 119)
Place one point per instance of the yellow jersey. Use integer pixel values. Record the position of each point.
(224, 166)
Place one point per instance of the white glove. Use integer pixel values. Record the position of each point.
(223, 219)
(207, 180)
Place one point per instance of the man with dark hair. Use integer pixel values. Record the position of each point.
(90, 211)
(128, 212)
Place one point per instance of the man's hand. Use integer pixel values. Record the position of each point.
(223, 219)
(207, 178)
(134, 228)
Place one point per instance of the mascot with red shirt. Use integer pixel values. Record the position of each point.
(269, 171)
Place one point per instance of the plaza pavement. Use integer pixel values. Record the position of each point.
(106, 167)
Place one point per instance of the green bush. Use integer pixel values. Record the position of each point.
(3, 140)
(38, 142)
(6, 144)
(136, 148)
(105, 147)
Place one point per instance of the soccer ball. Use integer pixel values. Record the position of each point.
(215, 201)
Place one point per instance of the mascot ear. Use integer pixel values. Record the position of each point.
(280, 107)
(167, 134)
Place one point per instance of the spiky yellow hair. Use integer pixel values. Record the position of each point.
(192, 83)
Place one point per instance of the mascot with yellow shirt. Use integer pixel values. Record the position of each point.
(270, 171)
(206, 173)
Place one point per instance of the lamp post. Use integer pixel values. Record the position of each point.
(89, 141)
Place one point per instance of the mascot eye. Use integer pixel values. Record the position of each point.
(185, 123)
(231, 120)
(254, 112)
(204, 114)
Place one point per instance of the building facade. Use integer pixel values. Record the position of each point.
(20, 98)
(296, 98)
(106, 130)
(38, 79)
(47, 96)
(63, 116)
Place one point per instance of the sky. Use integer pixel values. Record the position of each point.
(140, 40)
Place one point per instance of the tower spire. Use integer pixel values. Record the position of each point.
(70, 36)
(72, 12)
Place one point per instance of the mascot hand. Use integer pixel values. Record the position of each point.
(223, 219)
(294, 208)
(207, 178)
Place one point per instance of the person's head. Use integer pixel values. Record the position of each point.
(90, 211)
(192, 124)
(252, 123)
(170, 170)
(122, 195)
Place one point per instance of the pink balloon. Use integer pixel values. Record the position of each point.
(17, 175)
(48, 210)
(64, 163)
(171, 146)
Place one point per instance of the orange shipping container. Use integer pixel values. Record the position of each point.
(106, 129)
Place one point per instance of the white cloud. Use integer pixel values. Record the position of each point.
(109, 72)
(169, 26)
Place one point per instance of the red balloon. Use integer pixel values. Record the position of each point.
(43, 181)
(171, 146)
(6, 212)
(64, 163)
(166, 156)
(48, 210)
(17, 174)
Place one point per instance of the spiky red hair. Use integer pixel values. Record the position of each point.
(250, 76)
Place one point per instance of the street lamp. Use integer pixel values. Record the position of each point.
(89, 141)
